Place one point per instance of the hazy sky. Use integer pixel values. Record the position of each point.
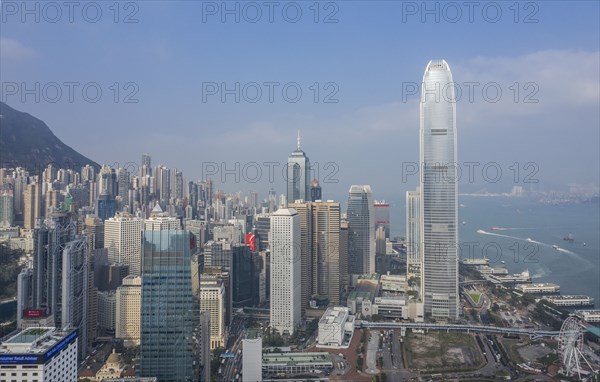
(543, 56)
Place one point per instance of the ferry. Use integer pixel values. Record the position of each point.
(569, 237)
(555, 246)
(529, 240)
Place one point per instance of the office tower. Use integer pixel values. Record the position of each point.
(106, 206)
(298, 175)
(204, 345)
(226, 277)
(160, 220)
(262, 227)
(344, 281)
(146, 160)
(380, 241)
(59, 290)
(252, 356)
(413, 225)
(95, 227)
(320, 252)
(245, 274)
(124, 181)
(110, 276)
(178, 184)
(361, 232)
(163, 183)
(7, 217)
(127, 310)
(123, 238)
(439, 190)
(307, 257)
(24, 293)
(74, 289)
(107, 306)
(32, 203)
(212, 300)
(264, 281)
(285, 270)
(382, 216)
(229, 232)
(166, 349)
(40, 354)
(315, 190)
(326, 248)
(200, 230)
(217, 254)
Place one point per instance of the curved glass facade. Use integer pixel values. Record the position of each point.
(439, 191)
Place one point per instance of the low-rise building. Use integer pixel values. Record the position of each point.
(292, 363)
(591, 315)
(336, 327)
(538, 288)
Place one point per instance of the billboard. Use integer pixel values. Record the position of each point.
(251, 241)
(33, 313)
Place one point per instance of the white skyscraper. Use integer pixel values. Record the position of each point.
(285, 270)
(439, 190)
(123, 238)
(361, 230)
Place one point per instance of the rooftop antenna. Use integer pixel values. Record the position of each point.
(298, 140)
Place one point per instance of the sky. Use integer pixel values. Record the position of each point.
(160, 77)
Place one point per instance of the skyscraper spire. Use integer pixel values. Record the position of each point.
(298, 140)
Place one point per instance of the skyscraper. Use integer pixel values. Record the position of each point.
(6, 208)
(361, 231)
(166, 311)
(298, 175)
(123, 238)
(413, 225)
(285, 270)
(382, 216)
(315, 190)
(127, 315)
(320, 250)
(439, 190)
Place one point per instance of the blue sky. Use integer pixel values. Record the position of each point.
(374, 51)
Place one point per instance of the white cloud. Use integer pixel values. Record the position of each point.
(14, 50)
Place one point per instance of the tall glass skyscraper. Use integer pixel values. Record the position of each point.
(439, 190)
(298, 175)
(166, 310)
(361, 230)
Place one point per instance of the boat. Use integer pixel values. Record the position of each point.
(555, 246)
(584, 244)
(480, 231)
(529, 240)
(464, 222)
(495, 228)
(569, 237)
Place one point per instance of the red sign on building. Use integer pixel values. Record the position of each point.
(33, 313)
(251, 241)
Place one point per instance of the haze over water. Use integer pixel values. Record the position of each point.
(575, 267)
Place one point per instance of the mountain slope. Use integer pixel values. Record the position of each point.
(28, 142)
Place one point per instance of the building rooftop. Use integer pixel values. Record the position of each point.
(291, 359)
(335, 315)
(34, 340)
(285, 212)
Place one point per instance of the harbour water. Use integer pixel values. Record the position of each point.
(575, 266)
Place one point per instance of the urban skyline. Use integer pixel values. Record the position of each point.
(259, 191)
